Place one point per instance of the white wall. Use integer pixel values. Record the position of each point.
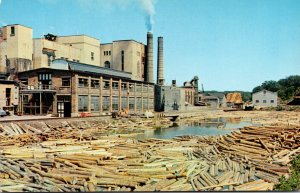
(264, 98)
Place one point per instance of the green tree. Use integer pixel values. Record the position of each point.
(257, 89)
(271, 85)
(286, 87)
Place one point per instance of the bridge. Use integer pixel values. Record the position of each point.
(172, 117)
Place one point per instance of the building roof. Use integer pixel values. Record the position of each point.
(76, 66)
(65, 65)
(265, 91)
(234, 97)
(123, 41)
(210, 98)
(295, 101)
(8, 82)
(217, 94)
(16, 24)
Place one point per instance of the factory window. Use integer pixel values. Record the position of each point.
(82, 103)
(104, 53)
(138, 103)
(107, 64)
(150, 103)
(150, 89)
(95, 103)
(131, 103)
(109, 52)
(95, 83)
(115, 103)
(115, 85)
(83, 82)
(12, 31)
(122, 59)
(131, 87)
(264, 101)
(257, 101)
(66, 82)
(105, 85)
(145, 88)
(124, 102)
(92, 56)
(145, 103)
(272, 101)
(138, 68)
(45, 79)
(105, 103)
(138, 88)
(124, 86)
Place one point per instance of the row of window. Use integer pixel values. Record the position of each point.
(83, 82)
(264, 101)
(83, 103)
(107, 53)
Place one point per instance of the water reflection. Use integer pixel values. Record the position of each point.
(211, 127)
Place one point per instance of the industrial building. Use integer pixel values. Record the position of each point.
(71, 89)
(19, 51)
(68, 76)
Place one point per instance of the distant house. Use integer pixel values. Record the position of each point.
(234, 100)
(296, 100)
(264, 98)
(214, 100)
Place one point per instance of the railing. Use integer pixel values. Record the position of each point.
(39, 87)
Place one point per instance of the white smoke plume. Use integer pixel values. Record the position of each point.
(148, 7)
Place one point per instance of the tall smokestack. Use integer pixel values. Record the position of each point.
(149, 68)
(160, 61)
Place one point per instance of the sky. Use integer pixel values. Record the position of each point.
(228, 44)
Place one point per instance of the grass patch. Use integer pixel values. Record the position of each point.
(293, 182)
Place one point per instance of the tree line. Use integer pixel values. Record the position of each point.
(286, 87)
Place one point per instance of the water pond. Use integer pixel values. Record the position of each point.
(208, 127)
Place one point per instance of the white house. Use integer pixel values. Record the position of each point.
(264, 98)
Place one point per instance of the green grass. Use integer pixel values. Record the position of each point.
(293, 182)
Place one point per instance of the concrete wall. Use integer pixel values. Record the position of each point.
(106, 53)
(86, 44)
(16, 44)
(264, 98)
(169, 98)
(134, 57)
(14, 95)
(40, 60)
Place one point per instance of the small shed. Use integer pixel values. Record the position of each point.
(235, 100)
(296, 100)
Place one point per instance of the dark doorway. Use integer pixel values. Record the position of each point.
(64, 108)
(67, 109)
(8, 91)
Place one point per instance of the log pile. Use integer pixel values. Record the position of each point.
(70, 157)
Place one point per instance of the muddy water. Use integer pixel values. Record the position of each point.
(208, 127)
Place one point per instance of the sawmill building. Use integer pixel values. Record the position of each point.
(71, 89)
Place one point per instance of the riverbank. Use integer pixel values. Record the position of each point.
(95, 154)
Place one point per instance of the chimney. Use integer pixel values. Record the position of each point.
(174, 83)
(160, 61)
(149, 67)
